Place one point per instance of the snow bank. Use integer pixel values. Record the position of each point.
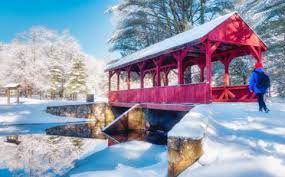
(32, 111)
(193, 125)
(131, 159)
(239, 140)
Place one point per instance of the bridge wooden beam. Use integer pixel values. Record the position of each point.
(142, 73)
(179, 56)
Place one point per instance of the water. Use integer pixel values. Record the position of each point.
(56, 149)
(41, 155)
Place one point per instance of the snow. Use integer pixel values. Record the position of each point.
(131, 159)
(12, 85)
(177, 40)
(32, 111)
(239, 140)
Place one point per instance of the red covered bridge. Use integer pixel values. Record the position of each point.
(222, 39)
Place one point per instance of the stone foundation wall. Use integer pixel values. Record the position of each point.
(131, 120)
(99, 111)
(182, 153)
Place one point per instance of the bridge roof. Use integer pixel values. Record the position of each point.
(193, 36)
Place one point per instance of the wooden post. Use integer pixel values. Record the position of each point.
(209, 50)
(118, 80)
(110, 76)
(153, 79)
(179, 56)
(129, 77)
(208, 63)
(166, 73)
(142, 79)
(18, 95)
(158, 63)
(227, 77)
(8, 95)
(202, 69)
(227, 61)
(142, 73)
(180, 72)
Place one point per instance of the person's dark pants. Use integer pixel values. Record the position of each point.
(262, 105)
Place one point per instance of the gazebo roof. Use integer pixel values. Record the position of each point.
(12, 85)
(192, 36)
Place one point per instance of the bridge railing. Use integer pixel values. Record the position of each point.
(238, 93)
(189, 93)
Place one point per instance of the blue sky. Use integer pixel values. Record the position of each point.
(84, 18)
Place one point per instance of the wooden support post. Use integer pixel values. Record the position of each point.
(227, 61)
(8, 96)
(142, 73)
(202, 69)
(142, 79)
(118, 79)
(153, 79)
(18, 95)
(179, 56)
(166, 77)
(227, 76)
(180, 72)
(209, 50)
(109, 79)
(158, 63)
(128, 69)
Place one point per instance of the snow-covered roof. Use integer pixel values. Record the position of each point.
(169, 43)
(12, 85)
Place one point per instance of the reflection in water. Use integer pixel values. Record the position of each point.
(50, 155)
(84, 130)
(93, 130)
(42, 155)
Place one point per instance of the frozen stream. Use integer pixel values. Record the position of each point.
(27, 150)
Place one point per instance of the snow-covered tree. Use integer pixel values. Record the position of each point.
(140, 23)
(41, 60)
(77, 79)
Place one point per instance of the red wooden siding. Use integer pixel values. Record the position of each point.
(190, 93)
(235, 30)
(233, 94)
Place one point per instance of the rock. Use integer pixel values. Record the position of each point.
(182, 153)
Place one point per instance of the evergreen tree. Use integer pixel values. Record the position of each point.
(57, 81)
(77, 79)
(141, 23)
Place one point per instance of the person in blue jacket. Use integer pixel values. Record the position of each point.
(259, 83)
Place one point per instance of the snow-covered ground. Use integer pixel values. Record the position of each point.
(31, 111)
(130, 159)
(239, 141)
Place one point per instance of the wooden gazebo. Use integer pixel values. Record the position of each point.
(222, 39)
(10, 87)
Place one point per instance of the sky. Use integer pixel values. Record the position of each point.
(85, 19)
